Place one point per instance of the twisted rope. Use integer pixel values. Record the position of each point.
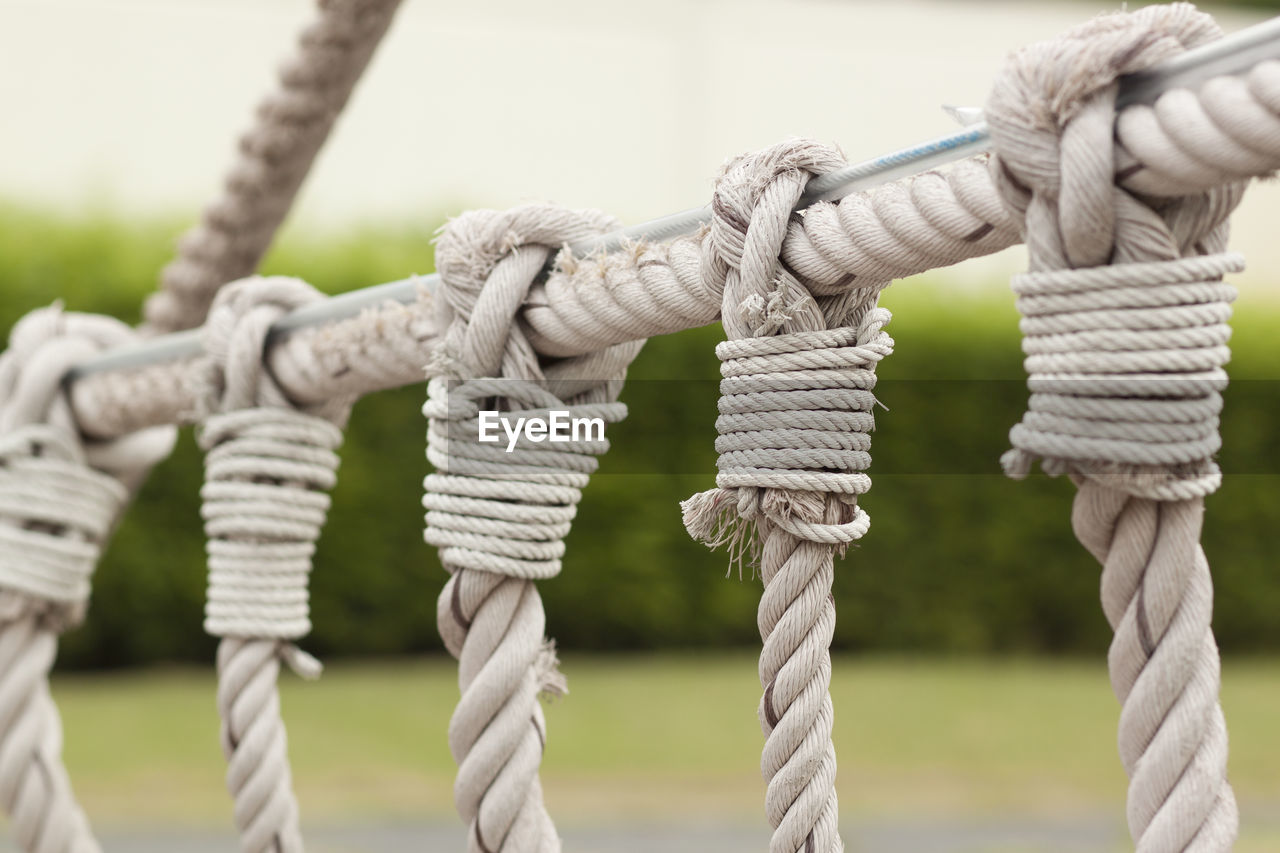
(499, 518)
(1125, 334)
(268, 467)
(273, 158)
(59, 498)
(1185, 143)
(795, 417)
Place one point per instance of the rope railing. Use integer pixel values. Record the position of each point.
(1233, 55)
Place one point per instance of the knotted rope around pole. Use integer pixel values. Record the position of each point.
(268, 468)
(499, 516)
(795, 420)
(1125, 332)
(60, 496)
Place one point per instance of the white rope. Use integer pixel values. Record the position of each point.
(1125, 338)
(499, 517)
(268, 467)
(59, 498)
(795, 416)
(273, 157)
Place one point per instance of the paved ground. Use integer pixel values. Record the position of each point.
(927, 837)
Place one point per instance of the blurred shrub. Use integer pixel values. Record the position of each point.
(959, 558)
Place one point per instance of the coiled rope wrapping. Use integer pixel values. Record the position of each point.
(59, 498)
(1125, 333)
(273, 158)
(268, 467)
(500, 518)
(795, 417)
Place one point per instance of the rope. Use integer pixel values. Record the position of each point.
(499, 515)
(268, 467)
(273, 158)
(795, 417)
(1125, 333)
(59, 498)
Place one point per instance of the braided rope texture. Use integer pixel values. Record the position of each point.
(499, 516)
(59, 498)
(273, 158)
(268, 468)
(795, 419)
(1125, 333)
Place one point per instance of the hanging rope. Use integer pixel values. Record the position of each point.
(499, 518)
(795, 422)
(273, 158)
(60, 495)
(268, 469)
(1125, 325)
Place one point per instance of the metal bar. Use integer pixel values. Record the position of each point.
(1233, 54)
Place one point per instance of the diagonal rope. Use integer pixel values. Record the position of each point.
(272, 160)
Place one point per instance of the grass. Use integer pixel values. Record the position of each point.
(656, 738)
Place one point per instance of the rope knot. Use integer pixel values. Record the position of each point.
(1125, 366)
(235, 338)
(487, 262)
(1052, 117)
(751, 207)
(795, 429)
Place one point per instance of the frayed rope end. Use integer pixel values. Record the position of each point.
(712, 517)
(546, 666)
(304, 664)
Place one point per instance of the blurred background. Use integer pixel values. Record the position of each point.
(973, 707)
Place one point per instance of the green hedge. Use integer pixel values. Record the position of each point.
(959, 558)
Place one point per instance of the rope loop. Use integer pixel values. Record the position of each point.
(1052, 116)
(1126, 374)
(752, 206)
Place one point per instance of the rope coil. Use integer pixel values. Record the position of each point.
(795, 414)
(55, 514)
(264, 502)
(1125, 365)
(504, 511)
